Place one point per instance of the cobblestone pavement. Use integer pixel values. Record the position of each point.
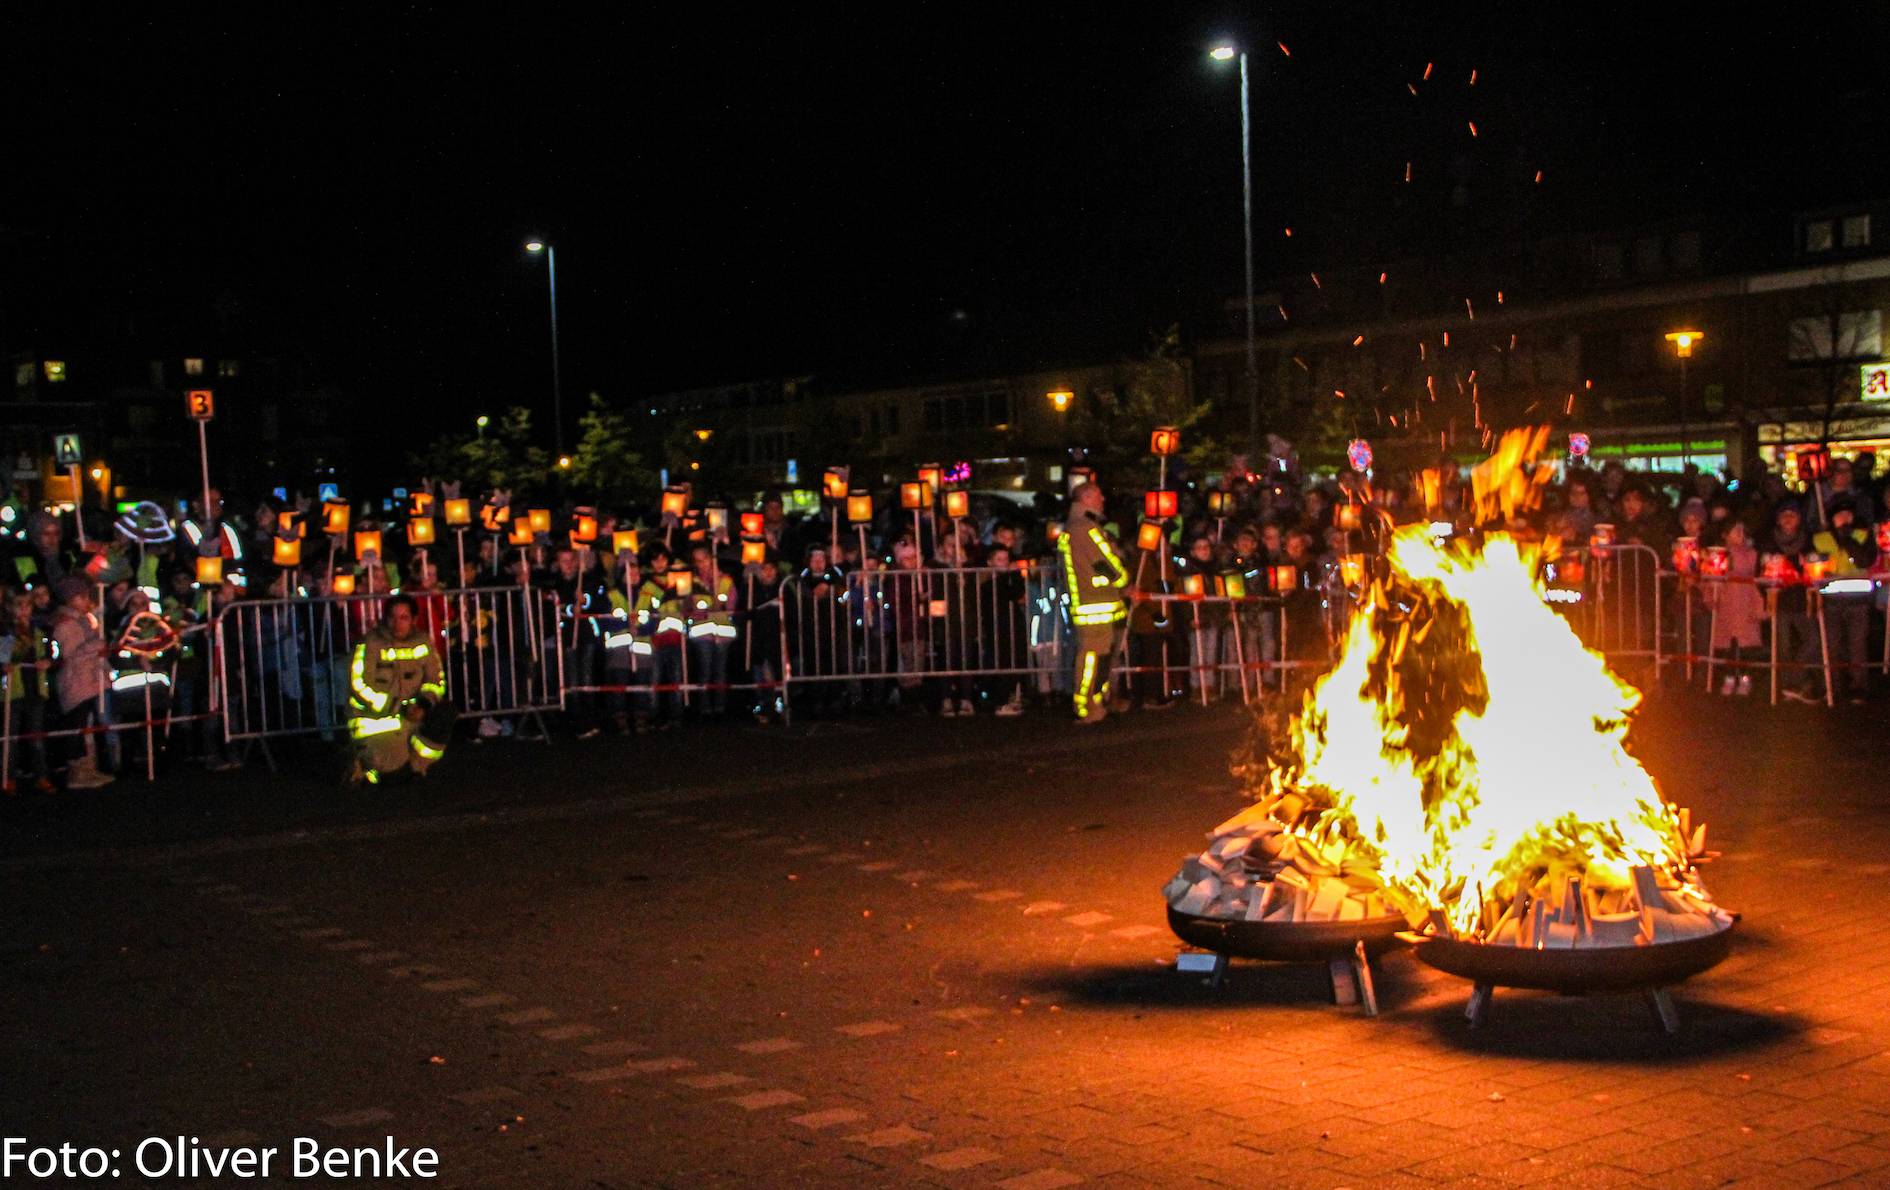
(904, 953)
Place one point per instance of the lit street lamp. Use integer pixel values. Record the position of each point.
(1683, 342)
(1225, 53)
(557, 380)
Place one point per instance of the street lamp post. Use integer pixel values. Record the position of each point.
(1683, 342)
(557, 378)
(1223, 53)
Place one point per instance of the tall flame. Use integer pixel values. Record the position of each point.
(1469, 738)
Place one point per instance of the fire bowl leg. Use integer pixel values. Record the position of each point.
(1662, 1003)
(1362, 975)
(1480, 997)
(1344, 983)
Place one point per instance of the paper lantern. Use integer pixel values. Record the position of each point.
(1346, 517)
(1352, 569)
(913, 496)
(1686, 554)
(859, 507)
(343, 584)
(1283, 578)
(492, 516)
(1052, 530)
(833, 483)
(718, 518)
(624, 541)
(584, 532)
(1149, 536)
(420, 532)
(933, 477)
(521, 532)
(1716, 562)
(1814, 463)
(1774, 567)
(367, 541)
(1572, 569)
(1217, 503)
(1165, 440)
(1578, 445)
(210, 571)
(287, 553)
(420, 504)
(1817, 568)
(675, 501)
(753, 524)
(754, 550)
(458, 513)
(1161, 503)
(1601, 538)
(1233, 585)
(291, 525)
(1193, 586)
(682, 580)
(540, 520)
(1358, 452)
(335, 516)
(957, 504)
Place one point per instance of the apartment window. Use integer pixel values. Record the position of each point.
(193, 366)
(934, 415)
(1857, 231)
(1608, 262)
(892, 419)
(23, 376)
(1647, 256)
(1820, 236)
(157, 373)
(54, 369)
(874, 422)
(227, 368)
(997, 409)
(1852, 334)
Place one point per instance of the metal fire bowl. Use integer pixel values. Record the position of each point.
(1575, 971)
(1291, 941)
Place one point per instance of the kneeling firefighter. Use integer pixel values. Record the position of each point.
(398, 713)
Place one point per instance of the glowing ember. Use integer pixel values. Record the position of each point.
(1472, 749)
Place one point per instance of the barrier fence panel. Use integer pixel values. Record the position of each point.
(283, 665)
(1810, 637)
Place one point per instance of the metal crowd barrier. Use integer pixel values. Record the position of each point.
(1700, 598)
(282, 665)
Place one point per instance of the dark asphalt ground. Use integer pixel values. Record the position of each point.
(901, 952)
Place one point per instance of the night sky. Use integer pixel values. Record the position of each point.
(913, 191)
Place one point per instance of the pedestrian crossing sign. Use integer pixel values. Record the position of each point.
(67, 450)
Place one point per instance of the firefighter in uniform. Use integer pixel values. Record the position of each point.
(1095, 575)
(398, 713)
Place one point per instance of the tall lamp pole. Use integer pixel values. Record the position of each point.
(557, 377)
(1223, 53)
(1683, 342)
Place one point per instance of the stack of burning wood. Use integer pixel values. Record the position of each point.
(1257, 869)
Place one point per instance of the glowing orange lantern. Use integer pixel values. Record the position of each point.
(1149, 536)
(458, 513)
(933, 477)
(675, 501)
(287, 552)
(1166, 440)
(754, 550)
(682, 580)
(210, 571)
(1883, 537)
(1283, 578)
(492, 516)
(1233, 584)
(859, 507)
(624, 541)
(1814, 463)
(718, 518)
(343, 584)
(913, 496)
(753, 523)
(1217, 503)
(1686, 554)
(367, 541)
(957, 504)
(1774, 567)
(335, 516)
(1716, 562)
(1346, 517)
(291, 525)
(833, 483)
(1161, 503)
(420, 532)
(1193, 586)
(1817, 568)
(585, 531)
(1602, 538)
(521, 532)
(420, 504)
(540, 520)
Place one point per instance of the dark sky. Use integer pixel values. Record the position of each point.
(735, 197)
